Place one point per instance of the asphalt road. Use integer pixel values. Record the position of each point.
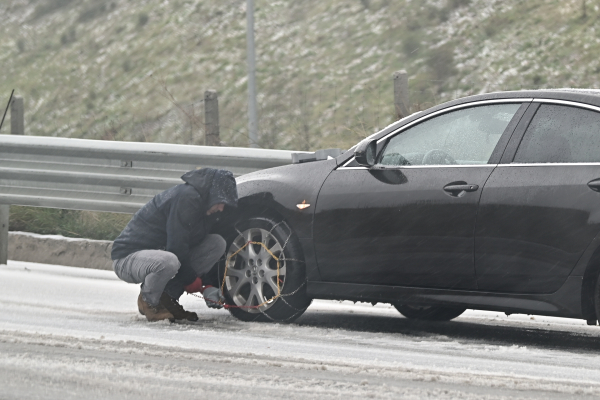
(72, 333)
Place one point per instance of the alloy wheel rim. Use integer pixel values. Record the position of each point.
(252, 273)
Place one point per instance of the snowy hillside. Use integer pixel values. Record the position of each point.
(137, 70)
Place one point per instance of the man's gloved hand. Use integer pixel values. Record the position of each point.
(194, 287)
(213, 297)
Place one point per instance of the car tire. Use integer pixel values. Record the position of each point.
(429, 313)
(597, 298)
(247, 272)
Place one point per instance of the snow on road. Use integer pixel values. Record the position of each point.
(70, 333)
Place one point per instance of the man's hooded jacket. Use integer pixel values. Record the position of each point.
(175, 220)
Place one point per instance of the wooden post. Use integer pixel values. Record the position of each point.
(211, 119)
(17, 121)
(401, 104)
(4, 210)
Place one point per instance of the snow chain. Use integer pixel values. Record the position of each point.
(279, 294)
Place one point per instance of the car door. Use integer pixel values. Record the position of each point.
(410, 220)
(540, 208)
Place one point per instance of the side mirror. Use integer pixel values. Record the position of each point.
(365, 153)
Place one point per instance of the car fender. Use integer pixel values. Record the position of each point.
(281, 190)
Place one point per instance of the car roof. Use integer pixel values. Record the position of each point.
(590, 96)
(595, 92)
(586, 96)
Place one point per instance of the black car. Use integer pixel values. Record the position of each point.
(488, 202)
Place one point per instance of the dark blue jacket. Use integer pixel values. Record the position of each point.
(175, 220)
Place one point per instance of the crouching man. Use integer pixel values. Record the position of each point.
(167, 248)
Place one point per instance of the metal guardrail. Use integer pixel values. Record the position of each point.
(98, 175)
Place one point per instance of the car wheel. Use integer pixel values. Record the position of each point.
(255, 287)
(429, 313)
(597, 299)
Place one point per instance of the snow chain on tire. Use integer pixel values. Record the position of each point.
(277, 311)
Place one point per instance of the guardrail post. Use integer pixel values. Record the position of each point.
(17, 127)
(4, 210)
(211, 119)
(401, 94)
(17, 121)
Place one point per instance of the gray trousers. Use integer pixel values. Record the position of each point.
(155, 269)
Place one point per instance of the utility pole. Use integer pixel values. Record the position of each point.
(252, 118)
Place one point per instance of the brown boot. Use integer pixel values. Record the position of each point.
(140, 304)
(176, 309)
(153, 314)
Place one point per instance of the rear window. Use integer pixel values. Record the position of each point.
(561, 134)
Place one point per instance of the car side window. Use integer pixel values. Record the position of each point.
(463, 137)
(561, 134)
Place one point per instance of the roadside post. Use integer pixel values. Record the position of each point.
(401, 104)
(17, 120)
(211, 119)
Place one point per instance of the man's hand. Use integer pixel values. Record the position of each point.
(213, 297)
(194, 287)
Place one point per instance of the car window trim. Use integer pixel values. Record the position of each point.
(515, 141)
(439, 112)
(421, 166)
(568, 103)
(560, 164)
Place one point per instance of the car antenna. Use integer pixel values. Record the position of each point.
(4, 116)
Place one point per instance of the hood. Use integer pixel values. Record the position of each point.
(216, 185)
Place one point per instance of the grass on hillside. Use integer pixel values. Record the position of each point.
(122, 70)
(137, 71)
(69, 223)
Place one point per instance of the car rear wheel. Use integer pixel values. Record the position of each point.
(429, 313)
(597, 299)
(256, 285)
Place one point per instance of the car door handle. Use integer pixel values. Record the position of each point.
(594, 185)
(455, 188)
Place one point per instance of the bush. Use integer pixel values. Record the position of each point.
(496, 23)
(441, 62)
(538, 80)
(458, 3)
(142, 19)
(411, 43)
(49, 6)
(69, 36)
(21, 45)
(92, 11)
